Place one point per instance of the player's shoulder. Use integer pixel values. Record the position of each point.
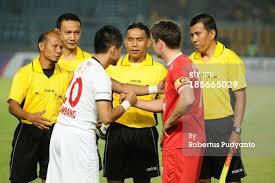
(227, 55)
(159, 69)
(182, 60)
(63, 72)
(25, 70)
(232, 57)
(83, 53)
(99, 76)
(192, 56)
(113, 68)
(119, 63)
(87, 55)
(157, 64)
(229, 52)
(182, 63)
(95, 66)
(195, 57)
(150, 60)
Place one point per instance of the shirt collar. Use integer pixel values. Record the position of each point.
(172, 60)
(37, 67)
(147, 62)
(218, 51)
(79, 54)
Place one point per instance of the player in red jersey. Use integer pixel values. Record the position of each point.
(183, 123)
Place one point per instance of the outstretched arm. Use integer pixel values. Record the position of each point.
(150, 105)
(108, 114)
(119, 87)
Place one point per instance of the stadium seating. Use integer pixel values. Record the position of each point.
(22, 21)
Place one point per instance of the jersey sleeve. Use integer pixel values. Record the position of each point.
(103, 88)
(19, 86)
(236, 73)
(180, 76)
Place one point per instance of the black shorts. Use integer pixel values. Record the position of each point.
(218, 131)
(131, 153)
(30, 146)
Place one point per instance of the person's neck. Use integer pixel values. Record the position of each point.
(45, 63)
(170, 55)
(137, 60)
(103, 59)
(69, 54)
(209, 52)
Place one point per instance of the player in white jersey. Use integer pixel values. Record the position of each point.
(73, 150)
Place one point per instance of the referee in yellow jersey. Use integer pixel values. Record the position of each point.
(36, 95)
(131, 145)
(69, 28)
(222, 75)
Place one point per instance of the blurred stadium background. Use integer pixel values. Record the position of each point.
(247, 27)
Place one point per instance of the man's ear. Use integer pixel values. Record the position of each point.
(41, 46)
(212, 34)
(160, 43)
(112, 50)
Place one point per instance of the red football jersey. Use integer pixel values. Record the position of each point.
(189, 132)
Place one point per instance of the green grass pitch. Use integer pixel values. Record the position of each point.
(259, 126)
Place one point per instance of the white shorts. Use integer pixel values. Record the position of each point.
(73, 156)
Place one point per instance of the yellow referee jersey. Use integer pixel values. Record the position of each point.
(224, 71)
(35, 92)
(71, 65)
(148, 72)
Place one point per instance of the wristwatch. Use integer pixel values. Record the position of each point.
(236, 129)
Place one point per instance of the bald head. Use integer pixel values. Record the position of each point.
(50, 46)
(45, 36)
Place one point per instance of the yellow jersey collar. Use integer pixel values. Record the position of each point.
(147, 62)
(79, 53)
(37, 67)
(218, 51)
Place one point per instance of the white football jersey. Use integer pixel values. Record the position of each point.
(90, 83)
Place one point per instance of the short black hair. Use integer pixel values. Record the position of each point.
(167, 31)
(106, 37)
(207, 20)
(67, 17)
(141, 26)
